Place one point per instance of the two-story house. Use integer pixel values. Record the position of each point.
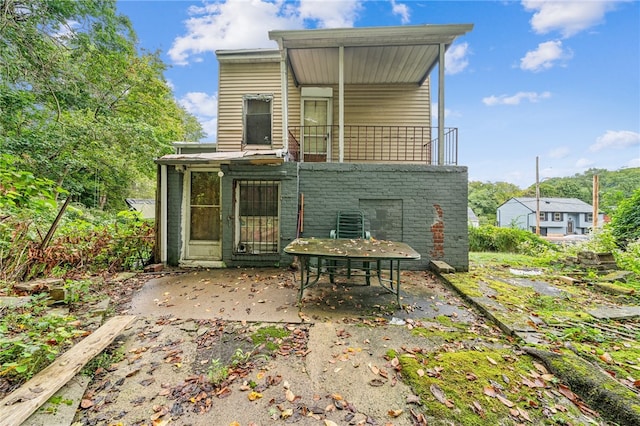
(558, 216)
(332, 119)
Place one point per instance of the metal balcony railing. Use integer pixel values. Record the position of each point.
(374, 144)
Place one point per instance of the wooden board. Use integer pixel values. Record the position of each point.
(16, 407)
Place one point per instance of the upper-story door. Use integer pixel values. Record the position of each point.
(203, 225)
(316, 129)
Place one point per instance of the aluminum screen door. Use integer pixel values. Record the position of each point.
(203, 224)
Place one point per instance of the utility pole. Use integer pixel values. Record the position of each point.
(537, 195)
(596, 202)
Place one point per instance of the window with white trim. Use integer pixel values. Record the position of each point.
(257, 119)
(557, 217)
(588, 217)
(257, 208)
(543, 216)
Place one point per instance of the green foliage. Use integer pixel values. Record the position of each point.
(20, 188)
(614, 186)
(30, 338)
(508, 240)
(625, 223)
(79, 105)
(485, 198)
(217, 372)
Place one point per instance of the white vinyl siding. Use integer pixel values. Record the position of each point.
(236, 81)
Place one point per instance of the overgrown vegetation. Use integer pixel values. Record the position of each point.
(80, 104)
(84, 243)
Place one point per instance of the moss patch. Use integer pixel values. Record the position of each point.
(483, 387)
(271, 336)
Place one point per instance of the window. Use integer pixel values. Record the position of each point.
(543, 216)
(588, 217)
(257, 216)
(257, 119)
(557, 217)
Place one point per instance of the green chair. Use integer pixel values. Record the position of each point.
(350, 224)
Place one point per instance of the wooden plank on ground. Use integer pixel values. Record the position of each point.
(16, 407)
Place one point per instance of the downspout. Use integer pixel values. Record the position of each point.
(341, 103)
(284, 83)
(441, 105)
(163, 214)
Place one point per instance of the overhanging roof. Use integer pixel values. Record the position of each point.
(267, 156)
(376, 55)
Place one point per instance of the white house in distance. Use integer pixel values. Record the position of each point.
(558, 216)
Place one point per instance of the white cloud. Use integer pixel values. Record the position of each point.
(635, 162)
(330, 14)
(584, 163)
(232, 24)
(532, 97)
(567, 17)
(401, 10)
(615, 140)
(205, 108)
(456, 58)
(544, 56)
(560, 152)
(241, 24)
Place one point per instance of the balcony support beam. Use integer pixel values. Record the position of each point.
(442, 50)
(340, 106)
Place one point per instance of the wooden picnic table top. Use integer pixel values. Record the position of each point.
(361, 249)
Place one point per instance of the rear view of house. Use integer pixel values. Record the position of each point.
(331, 120)
(558, 216)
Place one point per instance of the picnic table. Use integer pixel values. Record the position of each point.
(374, 254)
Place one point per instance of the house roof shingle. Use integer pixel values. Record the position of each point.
(564, 205)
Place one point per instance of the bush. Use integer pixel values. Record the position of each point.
(625, 223)
(507, 240)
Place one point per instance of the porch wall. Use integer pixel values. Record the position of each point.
(424, 206)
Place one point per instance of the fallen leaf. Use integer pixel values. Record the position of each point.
(523, 414)
(491, 360)
(329, 423)
(420, 372)
(86, 403)
(374, 369)
(394, 413)
(254, 395)
(564, 390)
(541, 368)
(290, 395)
(606, 358)
(440, 396)
(489, 391)
(470, 376)
(477, 408)
(505, 401)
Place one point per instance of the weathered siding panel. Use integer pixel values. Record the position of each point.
(237, 80)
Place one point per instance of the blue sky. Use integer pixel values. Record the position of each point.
(555, 79)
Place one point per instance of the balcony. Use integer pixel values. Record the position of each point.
(374, 144)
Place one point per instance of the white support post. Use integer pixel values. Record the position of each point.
(441, 105)
(341, 104)
(284, 88)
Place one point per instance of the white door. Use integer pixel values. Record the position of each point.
(202, 230)
(316, 133)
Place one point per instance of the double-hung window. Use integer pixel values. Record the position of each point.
(257, 119)
(257, 205)
(588, 217)
(557, 217)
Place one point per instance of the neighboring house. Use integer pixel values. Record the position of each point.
(472, 219)
(146, 207)
(558, 216)
(333, 119)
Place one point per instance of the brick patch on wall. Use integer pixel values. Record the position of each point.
(437, 233)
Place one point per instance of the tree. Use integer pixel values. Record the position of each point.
(625, 223)
(486, 197)
(78, 104)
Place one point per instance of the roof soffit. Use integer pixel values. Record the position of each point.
(383, 55)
